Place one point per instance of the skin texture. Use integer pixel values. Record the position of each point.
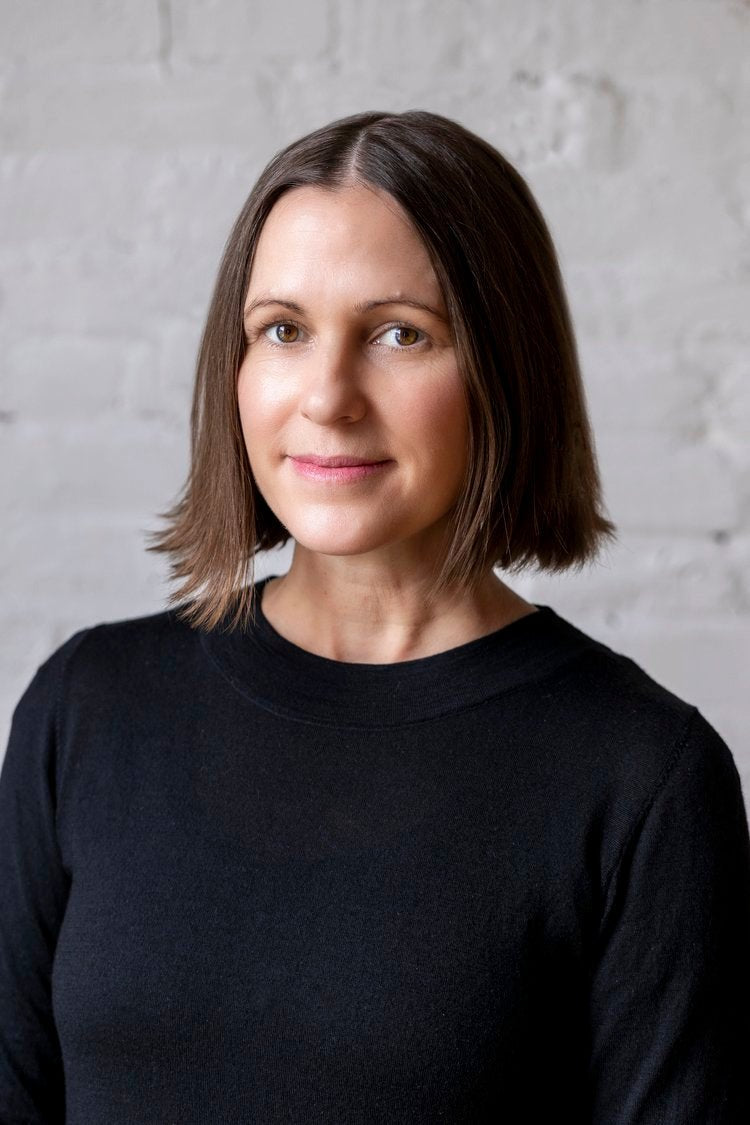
(324, 374)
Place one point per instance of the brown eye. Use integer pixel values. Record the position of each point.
(287, 333)
(402, 336)
(283, 333)
(406, 336)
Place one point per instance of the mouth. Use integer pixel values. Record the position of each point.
(340, 470)
(339, 462)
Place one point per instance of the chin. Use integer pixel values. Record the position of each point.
(339, 544)
(341, 536)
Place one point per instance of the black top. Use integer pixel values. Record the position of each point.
(241, 882)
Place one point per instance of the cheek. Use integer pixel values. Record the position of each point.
(438, 419)
(260, 402)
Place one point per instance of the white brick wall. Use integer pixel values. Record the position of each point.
(130, 135)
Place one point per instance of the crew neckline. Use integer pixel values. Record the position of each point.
(280, 676)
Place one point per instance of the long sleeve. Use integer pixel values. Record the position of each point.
(33, 893)
(241, 884)
(670, 994)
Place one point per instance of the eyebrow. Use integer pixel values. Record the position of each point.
(360, 307)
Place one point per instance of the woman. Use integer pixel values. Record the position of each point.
(376, 840)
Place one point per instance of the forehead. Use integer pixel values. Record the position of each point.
(355, 236)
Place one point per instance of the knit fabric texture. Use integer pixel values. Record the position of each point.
(244, 883)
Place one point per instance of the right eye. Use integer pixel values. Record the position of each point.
(282, 332)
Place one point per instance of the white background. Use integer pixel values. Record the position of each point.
(131, 134)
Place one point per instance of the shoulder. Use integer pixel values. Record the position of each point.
(604, 685)
(98, 684)
(94, 659)
(627, 760)
(623, 726)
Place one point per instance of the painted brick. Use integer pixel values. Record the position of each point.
(130, 136)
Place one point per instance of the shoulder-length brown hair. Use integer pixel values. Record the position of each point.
(532, 492)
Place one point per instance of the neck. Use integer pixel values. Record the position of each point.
(343, 611)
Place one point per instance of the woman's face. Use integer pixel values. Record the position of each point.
(349, 355)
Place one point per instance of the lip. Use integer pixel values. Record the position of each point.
(338, 462)
(336, 469)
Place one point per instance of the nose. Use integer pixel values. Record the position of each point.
(331, 388)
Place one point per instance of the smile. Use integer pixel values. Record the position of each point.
(342, 474)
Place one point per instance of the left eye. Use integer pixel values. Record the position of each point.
(284, 332)
(403, 336)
